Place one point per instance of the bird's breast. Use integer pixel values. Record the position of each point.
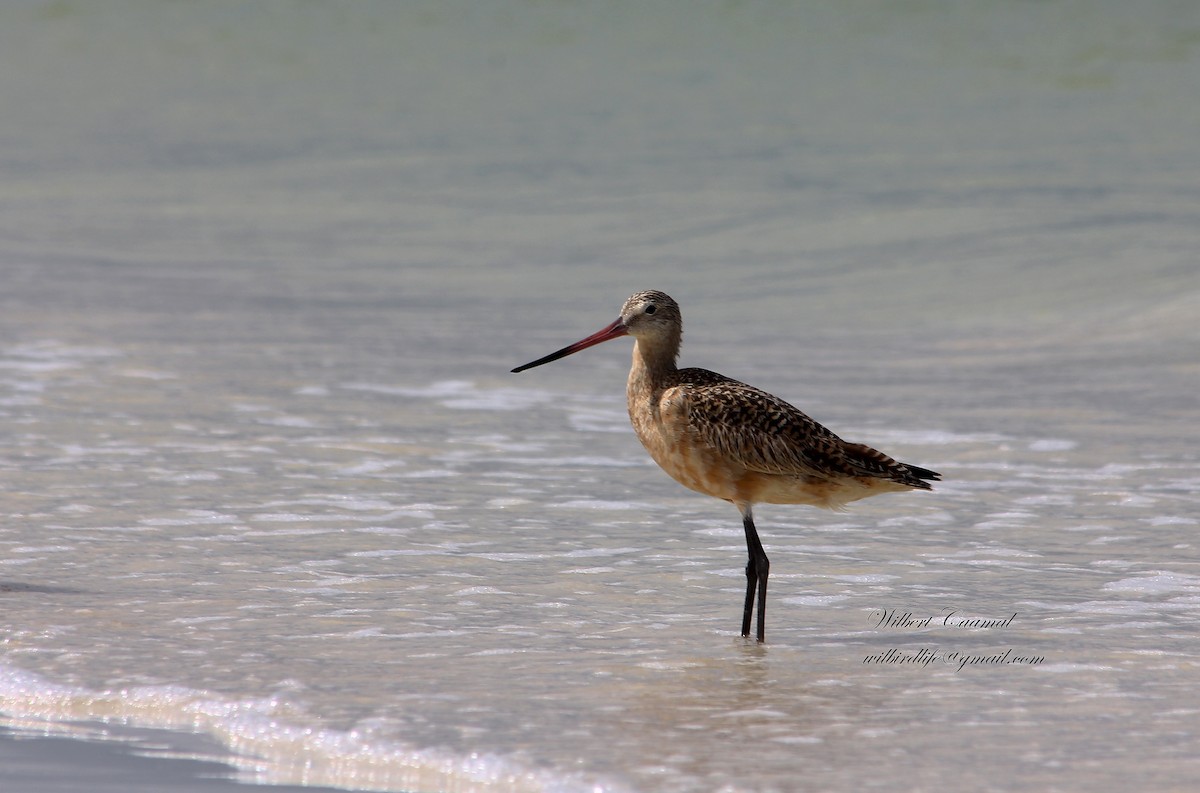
(660, 419)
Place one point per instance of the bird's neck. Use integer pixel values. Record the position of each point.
(653, 364)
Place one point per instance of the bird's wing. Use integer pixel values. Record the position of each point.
(761, 432)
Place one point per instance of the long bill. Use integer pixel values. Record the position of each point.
(614, 331)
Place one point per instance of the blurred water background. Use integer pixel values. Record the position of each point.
(264, 268)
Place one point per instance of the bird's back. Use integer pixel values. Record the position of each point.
(740, 443)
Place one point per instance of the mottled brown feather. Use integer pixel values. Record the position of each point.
(761, 432)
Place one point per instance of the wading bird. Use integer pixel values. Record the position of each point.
(732, 441)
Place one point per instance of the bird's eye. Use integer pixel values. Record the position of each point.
(650, 309)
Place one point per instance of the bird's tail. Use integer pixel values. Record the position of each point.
(920, 477)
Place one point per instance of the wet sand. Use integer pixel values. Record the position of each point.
(129, 760)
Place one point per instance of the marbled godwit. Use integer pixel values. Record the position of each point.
(726, 439)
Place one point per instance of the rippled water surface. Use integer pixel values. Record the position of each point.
(267, 477)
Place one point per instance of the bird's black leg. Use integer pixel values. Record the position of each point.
(751, 586)
(757, 570)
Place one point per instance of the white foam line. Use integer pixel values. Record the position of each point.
(270, 743)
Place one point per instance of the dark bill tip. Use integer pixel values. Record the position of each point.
(613, 331)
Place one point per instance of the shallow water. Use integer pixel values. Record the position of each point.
(268, 479)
